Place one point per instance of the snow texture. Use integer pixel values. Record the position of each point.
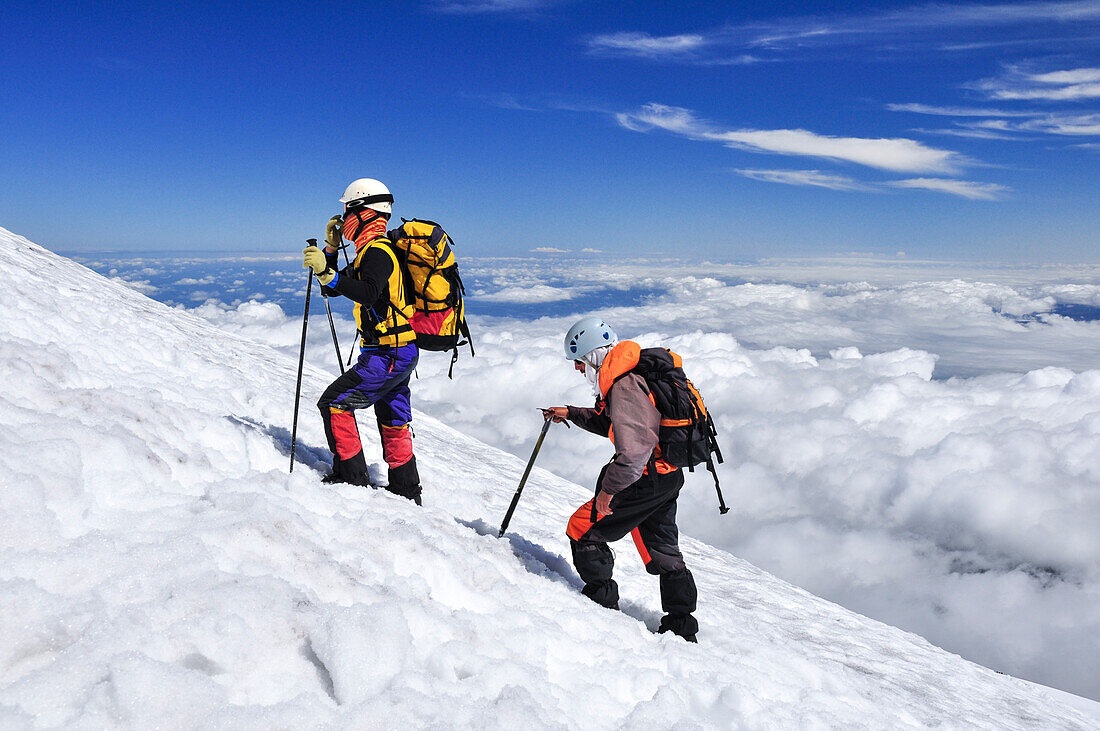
(160, 568)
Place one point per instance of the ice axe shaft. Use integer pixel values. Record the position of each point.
(721, 501)
(523, 480)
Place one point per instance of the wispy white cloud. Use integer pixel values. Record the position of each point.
(969, 133)
(1018, 84)
(475, 7)
(958, 111)
(1005, 125)
(815, 178)
(686, 47)
(510, 101)
(1073, 125)
(1066, 125)
(812, 178)
(964, 188)
(776, 37)
(544, 102)
(895, 154)
(1073, 76)
(1047, 40)
(643, 44)
(998, 14)
(549, 250)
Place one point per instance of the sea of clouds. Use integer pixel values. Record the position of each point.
(919, 442)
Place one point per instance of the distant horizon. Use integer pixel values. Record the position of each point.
(643, 257)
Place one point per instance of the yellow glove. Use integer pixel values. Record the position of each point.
(313, 258)
(333, 236)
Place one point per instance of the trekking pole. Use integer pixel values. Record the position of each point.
(351, 350)
(332, 328)
(523, 480)
(301, 362)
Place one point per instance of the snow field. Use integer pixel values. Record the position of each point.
(160, 568)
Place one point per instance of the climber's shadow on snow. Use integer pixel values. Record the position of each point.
(549, 565)
(536, 559)
(315, 458)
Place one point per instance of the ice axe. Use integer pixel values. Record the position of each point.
(523, 480)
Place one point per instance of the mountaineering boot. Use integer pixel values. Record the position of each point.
(604, 593)
(352, 471)
(678, 597)
(410, 493)
(333, 478)
(681, 625)
(405, 481)
(595, 563)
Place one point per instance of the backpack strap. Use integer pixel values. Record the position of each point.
(391, 318)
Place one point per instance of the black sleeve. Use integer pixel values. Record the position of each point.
(369, 281)
(331, 259)
(592, 420)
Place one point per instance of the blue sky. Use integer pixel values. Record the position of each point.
(958, 131)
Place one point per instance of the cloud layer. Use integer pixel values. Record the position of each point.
(963, 509)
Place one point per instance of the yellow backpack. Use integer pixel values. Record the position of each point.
(439, 316)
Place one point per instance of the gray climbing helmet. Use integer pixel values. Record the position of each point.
(587, 334)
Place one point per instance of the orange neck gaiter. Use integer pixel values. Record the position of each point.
(359, 228)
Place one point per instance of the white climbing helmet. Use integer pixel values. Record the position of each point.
(368, 193)
(587, 334)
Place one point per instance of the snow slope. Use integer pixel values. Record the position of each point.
(159, 567)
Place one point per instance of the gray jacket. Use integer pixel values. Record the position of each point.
(636, 424)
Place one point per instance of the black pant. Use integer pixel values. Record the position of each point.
(647, 510)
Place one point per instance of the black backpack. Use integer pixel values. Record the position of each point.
(687, 435)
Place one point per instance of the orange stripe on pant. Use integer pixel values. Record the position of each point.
(636, 534)
(397, 446)
(581, 522)
(345, 433)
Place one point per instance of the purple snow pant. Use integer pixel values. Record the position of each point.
(380, 378)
